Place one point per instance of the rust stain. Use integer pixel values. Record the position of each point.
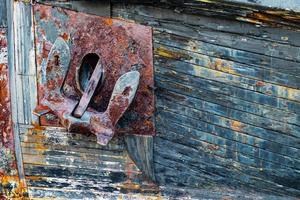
(222, 65)
(6, 133)
(171, 54)
(11, 187)
(109, 21)
(260, 83)
(236, 125)
(65, 36)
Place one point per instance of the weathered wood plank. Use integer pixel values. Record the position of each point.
(13, 94)
(229, 150)
(206, 90)
(277, 35)
(225, 112)
(279, 127)
(25, 67)
(235, 74)
(236, 134)
(140, 149)
(288, 5)
(71, 161)
(228, 84)
(207, 113)
(236, 62)
(212, 164)
(259, 16)
(3, 14)
(260, 153)
(96, 8)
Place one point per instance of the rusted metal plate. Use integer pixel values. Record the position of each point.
(10, 184)
(102, 124)
(5, 114)
(122, 46)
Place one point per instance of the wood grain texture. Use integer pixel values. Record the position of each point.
(3, 14)
(66, 165)
(25, 68)
(140, 149)
(102, 8)
(227, 102)
(227, 113)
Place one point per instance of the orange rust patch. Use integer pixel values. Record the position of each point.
(260, 83)
(108, 21)
(171, 54)
(223, 66)
(236, 125)
(37, 127)
(65, 36)
(130, 186)
(13, 188)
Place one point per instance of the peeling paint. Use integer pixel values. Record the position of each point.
(10, 184)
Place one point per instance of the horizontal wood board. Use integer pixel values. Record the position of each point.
(62, 165)
(227, 101)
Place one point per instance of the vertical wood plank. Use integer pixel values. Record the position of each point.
(26, 83)
(3, 17)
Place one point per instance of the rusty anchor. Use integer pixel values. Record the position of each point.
(77, 116)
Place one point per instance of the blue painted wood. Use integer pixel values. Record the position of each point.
(195, 158)
(235, 61)
(196, 76)
(3, 14)
(233, 134)
(280, 127)
(212, 129)
(265, 168)
(203, 91)
(158, 16)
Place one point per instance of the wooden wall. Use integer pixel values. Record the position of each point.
(228, 101)
(227, 111)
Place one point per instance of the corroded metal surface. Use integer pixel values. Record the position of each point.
(10, 184)
(121, 46)
(95, 80)
(102, 124)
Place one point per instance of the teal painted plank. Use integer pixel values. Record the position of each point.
(222, 71)
(222, 111)
(212, 164)
(197, 76)
(203, 91)
(263, 167)
(212, 144)
(281, 127)
(190, 122)
(235, 130)
(224, 59)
